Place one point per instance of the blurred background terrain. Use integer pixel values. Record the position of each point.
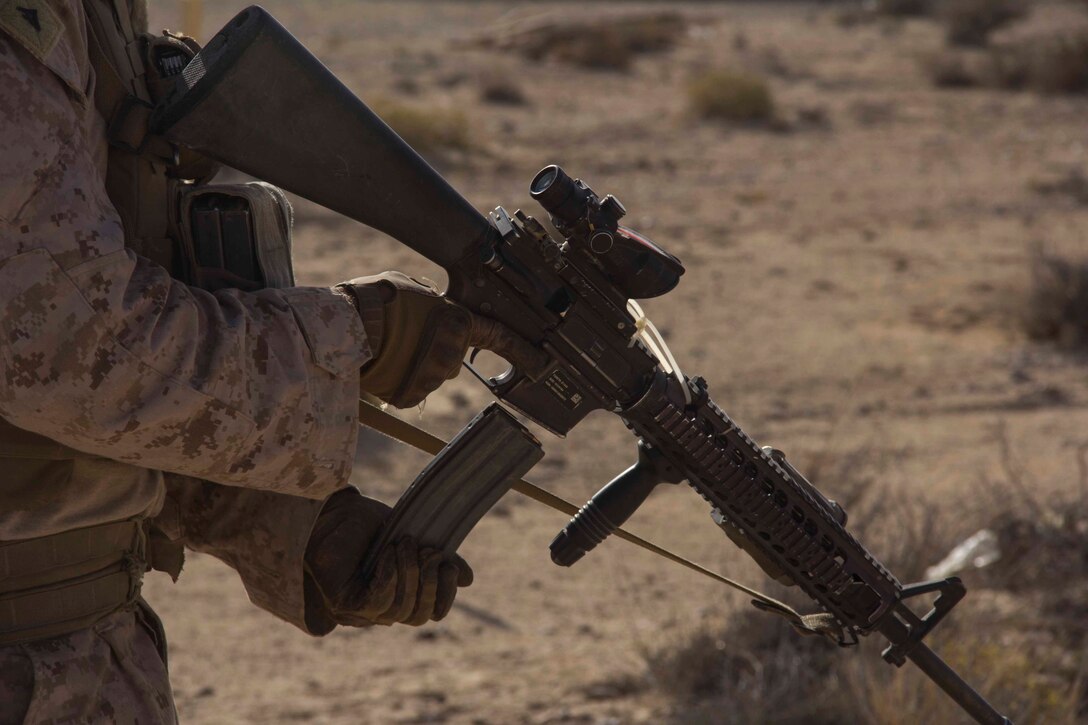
(882, 210)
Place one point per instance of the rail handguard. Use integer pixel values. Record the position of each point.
(257, 100)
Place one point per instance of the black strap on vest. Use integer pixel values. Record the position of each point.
(121, 93)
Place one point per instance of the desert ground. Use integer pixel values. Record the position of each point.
(857, 271)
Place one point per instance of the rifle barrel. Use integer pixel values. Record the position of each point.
(946, 678)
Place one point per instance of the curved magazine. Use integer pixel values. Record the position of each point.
(454, 491)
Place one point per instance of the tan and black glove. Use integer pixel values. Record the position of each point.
(420, 338)
(410, 585)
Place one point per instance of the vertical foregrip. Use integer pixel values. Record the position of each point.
(612, 506)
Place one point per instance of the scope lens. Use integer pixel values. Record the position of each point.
(557, 192)
(544, 179)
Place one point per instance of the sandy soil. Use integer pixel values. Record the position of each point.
(852, 288)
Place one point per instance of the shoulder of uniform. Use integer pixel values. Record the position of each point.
(54, 32)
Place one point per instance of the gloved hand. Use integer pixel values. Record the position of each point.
(423, 338)
(410, 584)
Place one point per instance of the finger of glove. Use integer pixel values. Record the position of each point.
(498, 338)
(449, 573)
(450, 342)
(395, 282)
(377, 593)
(465, 577)
(446, 340)
(339, 542)
(430, 563)
(407, 583)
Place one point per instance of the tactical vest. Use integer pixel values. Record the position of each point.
(68, 580)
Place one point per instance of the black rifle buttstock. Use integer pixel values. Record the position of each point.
(257, 100)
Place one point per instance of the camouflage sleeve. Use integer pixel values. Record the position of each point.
(260, 534)
(103, 351)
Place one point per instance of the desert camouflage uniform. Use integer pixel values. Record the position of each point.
(112, 372)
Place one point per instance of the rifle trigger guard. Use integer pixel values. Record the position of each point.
(497, 385)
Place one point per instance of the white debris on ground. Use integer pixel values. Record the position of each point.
(975, 552)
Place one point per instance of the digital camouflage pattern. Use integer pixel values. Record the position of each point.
(114, 672)
(111, 372)
(106, 353)
(261, 534)
(110, 673)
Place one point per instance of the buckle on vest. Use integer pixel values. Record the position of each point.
(128, 131)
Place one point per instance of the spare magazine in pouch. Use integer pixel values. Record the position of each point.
(235, 236)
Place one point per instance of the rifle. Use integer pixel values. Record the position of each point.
(256, 99)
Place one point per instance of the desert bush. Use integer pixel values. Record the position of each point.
(1072, 185)
(731, 96)
(609, 43)
(852, 15)
(605, 52)
(647, 33)
(1056, 308)
(501, 90)
(1052, 64)
(1040, 535)
(970, 22)
(950, 69)
(904, 8)
(1057, 64)
(752, 667)
(758, 671)
(427, 130)
(1013, 678)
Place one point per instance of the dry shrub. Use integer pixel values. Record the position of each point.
(731, 96)
(1056, 308)
(757, 670)
(970, 22)
(608, 52)
(1051, 64)
(1011, 678)
(754, 668)
(609, 43)
(1073, 185)
(950, 69)
(427, 130)
(1055, 64)
(1028, 661)
(501, 90)
(1040, 535)
(853, 15)
(904, 8)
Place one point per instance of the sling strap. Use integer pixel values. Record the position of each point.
(372, 415)
(122, 94)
